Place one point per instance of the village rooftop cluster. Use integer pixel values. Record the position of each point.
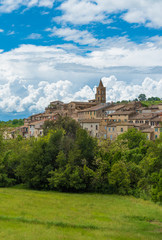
(100, 119)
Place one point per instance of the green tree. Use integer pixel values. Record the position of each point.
(119, 178)
(133, 138)
(142, 97)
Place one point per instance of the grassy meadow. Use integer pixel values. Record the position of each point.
(38, 215)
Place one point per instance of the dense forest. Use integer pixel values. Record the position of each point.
(67, 159)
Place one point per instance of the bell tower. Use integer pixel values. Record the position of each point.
(100, 95)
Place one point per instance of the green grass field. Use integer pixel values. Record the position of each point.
(38, 215)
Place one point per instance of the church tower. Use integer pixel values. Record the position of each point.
(100, 95)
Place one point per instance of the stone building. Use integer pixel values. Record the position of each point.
(92, 126)
(100, 93)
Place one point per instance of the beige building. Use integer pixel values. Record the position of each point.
(121, 116)
(95, 112)
(144, 118)
(111, 131)
(100, 95)
(92, 126)
(100, 119)
(116, 129)
(149, 133)
(35, 129)
(157, 131)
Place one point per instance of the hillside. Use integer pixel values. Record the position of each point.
(35, 215)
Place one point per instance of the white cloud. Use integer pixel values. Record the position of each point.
(85, 11)
(119, 90)
(37, 98)
(32, 76)
(80, 12)
(81, 37)
(34, 36)
(11, 33)
(1, 30)
(8, 6)
(33, 62)
(44, 13)
(46, 3)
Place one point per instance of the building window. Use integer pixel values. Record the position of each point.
(121, 129)
(105, 127)
(119, 120)
(113, 129)
(98, 91)
(110, 137)
(109, 129)
(96, 127)
(105, 136)
(91, 126)
(156, 129)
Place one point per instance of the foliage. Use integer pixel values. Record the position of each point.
(68, 159)
(142, 97)
(68, 124)
(12, 123)
(119, 178)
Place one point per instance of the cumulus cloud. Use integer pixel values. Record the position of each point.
(119, 90)
(7, 6)
(32, 76)
(146, 12)
(38, 97)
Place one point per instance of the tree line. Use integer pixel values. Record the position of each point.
(67, 159)
(12, 123)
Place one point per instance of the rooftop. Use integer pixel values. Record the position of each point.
(144, 116)
(96, 108)
(120, 112)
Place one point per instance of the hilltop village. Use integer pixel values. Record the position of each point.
(100, 119)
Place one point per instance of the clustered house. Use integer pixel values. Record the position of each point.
(100, 119)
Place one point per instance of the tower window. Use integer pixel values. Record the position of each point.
(98, 91)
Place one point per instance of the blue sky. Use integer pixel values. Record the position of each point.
(52, 49)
